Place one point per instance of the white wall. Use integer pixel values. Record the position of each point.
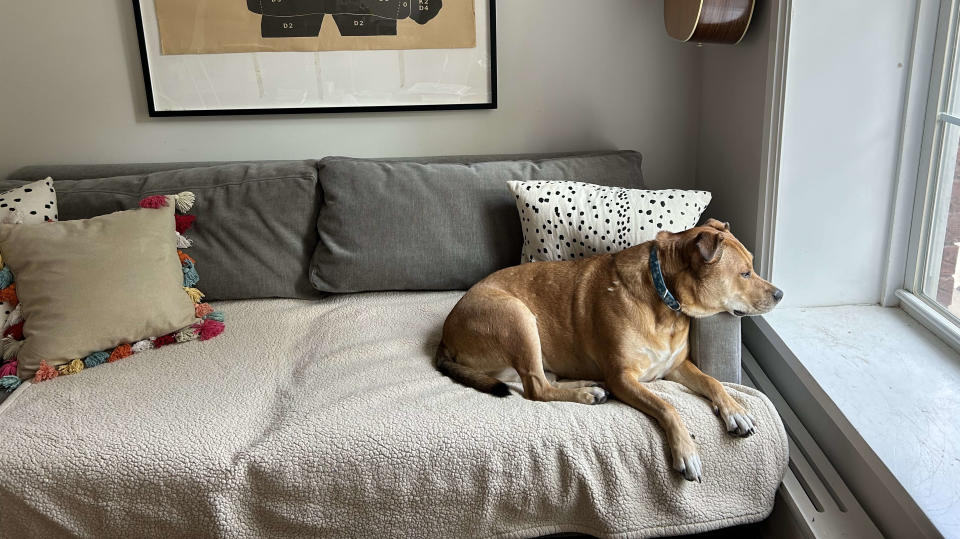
(841, 130)
(570, 78)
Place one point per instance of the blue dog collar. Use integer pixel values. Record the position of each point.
(658, 282)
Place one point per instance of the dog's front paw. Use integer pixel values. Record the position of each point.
(687, 461)
(736, 419)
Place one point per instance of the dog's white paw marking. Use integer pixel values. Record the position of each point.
(688, 463)
(739, 424)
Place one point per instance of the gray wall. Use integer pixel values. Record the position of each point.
(732, 102)
(72, 92)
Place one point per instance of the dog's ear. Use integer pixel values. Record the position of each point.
(719, 225)
(709, 245)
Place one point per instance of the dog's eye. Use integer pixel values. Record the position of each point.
(745, 275)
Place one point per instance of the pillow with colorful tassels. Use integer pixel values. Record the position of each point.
(209, 322)
(33, 203)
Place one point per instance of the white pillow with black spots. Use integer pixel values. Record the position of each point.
(33, 203)
(574, 220)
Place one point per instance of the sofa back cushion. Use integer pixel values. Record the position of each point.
(435, 223)
(259, 225)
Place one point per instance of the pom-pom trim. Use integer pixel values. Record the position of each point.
(120, 352)
(190, 276)
(95, 359)
(194, 294)
(16, 315)
(201, 310)
(9, 369)
(164, 340)
(15, 331)
(142, 346)
(154, 202)
(184, 201)
(184, 222)
(9, 295)
(209, 326)
(45, 372)
(6, 277)
(73, 367)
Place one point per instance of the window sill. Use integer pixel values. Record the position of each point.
(897, 385)
(930, 318)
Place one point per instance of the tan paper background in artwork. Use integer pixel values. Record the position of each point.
(220, 26)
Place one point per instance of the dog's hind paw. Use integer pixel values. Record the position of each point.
(589, 395)
(592, 395)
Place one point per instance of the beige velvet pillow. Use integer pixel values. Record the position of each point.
(93, 284)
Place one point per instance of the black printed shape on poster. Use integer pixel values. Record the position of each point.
(353, 17)
(423, 10)
(301, 26)
(388, 9)
(365, 25)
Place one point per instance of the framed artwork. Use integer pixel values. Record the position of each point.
(207, 57)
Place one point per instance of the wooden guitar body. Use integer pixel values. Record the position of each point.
(707, 21)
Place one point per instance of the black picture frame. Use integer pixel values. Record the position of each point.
(153, 112)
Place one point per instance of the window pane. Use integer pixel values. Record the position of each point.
(942, 275)
(951, 101)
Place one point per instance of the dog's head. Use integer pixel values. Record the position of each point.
(719, 273)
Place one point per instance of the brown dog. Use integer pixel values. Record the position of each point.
(602, 319)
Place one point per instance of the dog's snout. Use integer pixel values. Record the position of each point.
(777, 295)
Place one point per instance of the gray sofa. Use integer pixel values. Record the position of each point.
(288, 195)
(318, 413)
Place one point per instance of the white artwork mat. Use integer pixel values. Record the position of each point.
(326, 79)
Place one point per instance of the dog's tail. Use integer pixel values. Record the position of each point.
(468, 376)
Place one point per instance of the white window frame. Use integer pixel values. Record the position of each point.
(929, 89)
(874, 485)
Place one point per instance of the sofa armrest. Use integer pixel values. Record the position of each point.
(715, 346)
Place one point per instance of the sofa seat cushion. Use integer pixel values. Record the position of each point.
(328, 419)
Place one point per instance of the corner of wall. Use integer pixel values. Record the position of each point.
(733, 110)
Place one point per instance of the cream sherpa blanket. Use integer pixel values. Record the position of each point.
(327, 419)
